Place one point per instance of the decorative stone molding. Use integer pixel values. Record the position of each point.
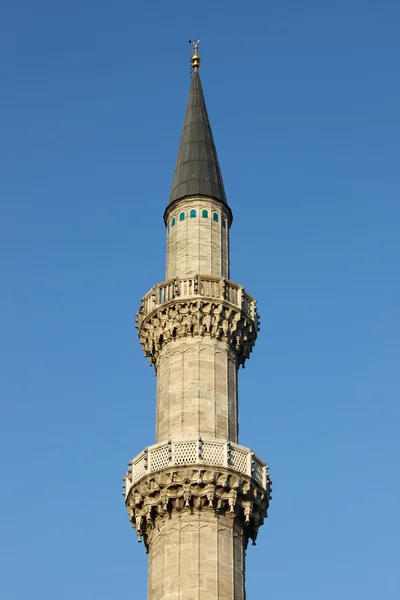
(221, 490)
(220, 320)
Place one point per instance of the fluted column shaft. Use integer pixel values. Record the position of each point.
(197, 557)
(196, 390)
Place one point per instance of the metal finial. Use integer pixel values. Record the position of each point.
(195, 60)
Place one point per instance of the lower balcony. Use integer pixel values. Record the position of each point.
(201, 452)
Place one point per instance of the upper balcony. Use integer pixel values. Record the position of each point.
(204, 286)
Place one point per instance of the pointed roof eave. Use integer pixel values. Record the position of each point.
(197, 171)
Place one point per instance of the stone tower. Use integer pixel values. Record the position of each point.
(196, 496)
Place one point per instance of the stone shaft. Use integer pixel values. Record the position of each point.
(197, 238)
(196, 390)
(197, 557)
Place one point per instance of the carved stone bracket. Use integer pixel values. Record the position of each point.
(194, 489)
(181, 318)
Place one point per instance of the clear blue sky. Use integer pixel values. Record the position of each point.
(304, 99)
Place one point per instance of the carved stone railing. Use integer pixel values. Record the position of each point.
(199, 286)
(197, 452)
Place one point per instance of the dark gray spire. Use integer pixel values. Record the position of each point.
(197, 171)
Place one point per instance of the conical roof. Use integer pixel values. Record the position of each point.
(197, 171)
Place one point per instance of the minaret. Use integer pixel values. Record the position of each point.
(196, 496)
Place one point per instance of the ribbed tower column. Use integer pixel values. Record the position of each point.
(196, 497)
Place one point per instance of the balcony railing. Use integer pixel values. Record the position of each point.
(200, 285)
(200, 453)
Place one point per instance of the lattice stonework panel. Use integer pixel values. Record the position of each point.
(213, 454)
(258, 471)
(138, 469)
(185, 453)
(239, 461)
(159, 458)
